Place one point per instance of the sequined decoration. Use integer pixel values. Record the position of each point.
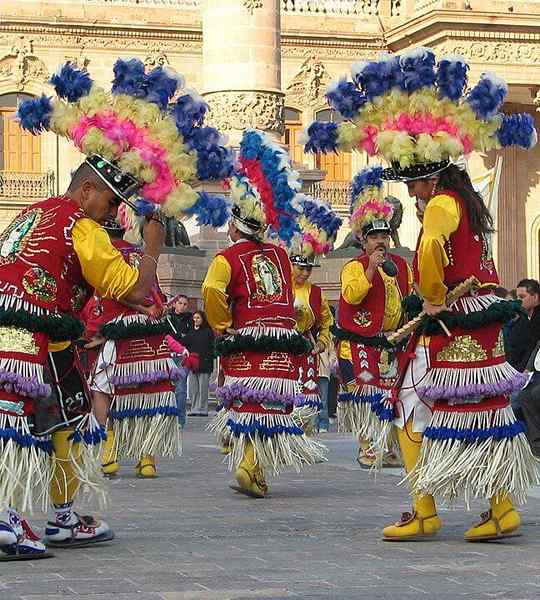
(78, 298)
(16, 339)
(15, 238)
(134, 259)
(238, 362)
(267, 279)
(498, 349)
(41, 284)
(462, 348)
(363, 318)
(277, 361)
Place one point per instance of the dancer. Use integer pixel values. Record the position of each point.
(248, 297)
(51, 254)
(372, 287)
(456, 429)
(318, 228)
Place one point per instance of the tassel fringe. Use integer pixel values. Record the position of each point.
(475, 455)
(285, 387)
(278, 442)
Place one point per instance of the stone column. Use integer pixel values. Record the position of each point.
(242, 66)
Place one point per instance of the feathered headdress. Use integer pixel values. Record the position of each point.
(137, 134)
(416, 115)
(369, 210)
(264, 189)
(319, 225)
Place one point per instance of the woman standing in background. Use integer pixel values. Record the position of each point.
(201, 341)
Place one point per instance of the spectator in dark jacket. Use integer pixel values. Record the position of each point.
(529, 402)
(200, 340)
(525, 331)
(182, 320)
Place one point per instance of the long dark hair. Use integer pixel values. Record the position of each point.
(456, 180)
(202, 314)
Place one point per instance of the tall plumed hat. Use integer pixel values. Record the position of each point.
(417, 115)
(264, 189)
(318, 225)
(369, 210)
(135, 138)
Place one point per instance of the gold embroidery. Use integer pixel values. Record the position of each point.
(15, 339)
(498, 349)
(277, 361)
(267, 279)
(363, 318)
(15, 238)
(238, 362)
(463, 348)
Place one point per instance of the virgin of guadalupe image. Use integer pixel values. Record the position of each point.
(266, 277)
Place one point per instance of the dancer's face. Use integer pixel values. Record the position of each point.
(378, 240)
(301, 274)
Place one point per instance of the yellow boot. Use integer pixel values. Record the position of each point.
(424, 522)
(250, 476)
(65, 482)
(501, 521)
(109, 464)
(146, 468)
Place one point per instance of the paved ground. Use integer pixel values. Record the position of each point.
(186, 536)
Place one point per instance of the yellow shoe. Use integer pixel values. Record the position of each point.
(250, 484)
(501, 521)
(109, 465)
(412, 528)
(366, 458)
(146, 468)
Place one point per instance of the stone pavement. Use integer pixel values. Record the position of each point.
(187, 536)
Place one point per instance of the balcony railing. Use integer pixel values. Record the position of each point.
(331, 7)
(26, 186)
(336, 193)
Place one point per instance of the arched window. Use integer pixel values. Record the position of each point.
(293, 129)
(337, 166)
(19, 151)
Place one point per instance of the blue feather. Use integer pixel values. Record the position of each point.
(322, 216)
(210, 209)
(452, 77)
(345, 98)
(71, 83)
(129, 78)
(517, 129)
(377, 77)
(369, 177)
(322, 137)
(418, 68)
(214, 161)
(160, 86)
(144, 208)
(189, 111)
(487, 96)
(35, 115)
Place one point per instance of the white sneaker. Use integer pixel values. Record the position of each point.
(17, 539)
(84, 530)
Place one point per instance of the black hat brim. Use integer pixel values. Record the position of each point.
(414, 172)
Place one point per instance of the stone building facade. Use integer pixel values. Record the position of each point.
(267, 63)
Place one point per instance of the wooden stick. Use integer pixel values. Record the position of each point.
(409, 327)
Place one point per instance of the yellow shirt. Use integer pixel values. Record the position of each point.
(214, 293)
(355, 287)
(441, 219)
(305, 319)
(103, 266)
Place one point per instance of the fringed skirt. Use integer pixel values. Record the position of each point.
(258, 395)
(473, 446)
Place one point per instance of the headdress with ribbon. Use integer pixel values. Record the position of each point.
(318, 225)
(135, 139)
(264, 189)
(417, 115)
(369, 210)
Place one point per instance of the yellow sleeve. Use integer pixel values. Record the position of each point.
(441, 219)
(214, 292)
(410, 280)
(326, 322)
(354, 283)
(58, 346)
(103, 266)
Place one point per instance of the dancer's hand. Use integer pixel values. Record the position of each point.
(433, 309)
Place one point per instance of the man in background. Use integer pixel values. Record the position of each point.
(183, 325)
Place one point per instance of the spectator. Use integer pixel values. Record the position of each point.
(326, 358)
(525, 332)
(529, 402)
(501, 292)
(183, 324)
(200, 340)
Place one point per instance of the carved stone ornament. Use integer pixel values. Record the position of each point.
(310, 83)
(251, 5)
(238, 110)
(155, 57)
(518, 52)
(20, 65)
